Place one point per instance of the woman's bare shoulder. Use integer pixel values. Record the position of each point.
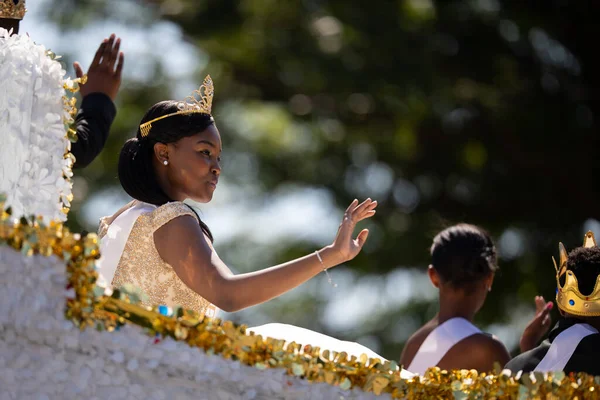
(479, 351)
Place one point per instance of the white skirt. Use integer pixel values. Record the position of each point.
(291, 333)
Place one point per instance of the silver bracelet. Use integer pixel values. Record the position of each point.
(325, 269)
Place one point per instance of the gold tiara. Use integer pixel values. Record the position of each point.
(10, 10)
(200, 101)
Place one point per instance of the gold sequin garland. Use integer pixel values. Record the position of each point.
(90, 308)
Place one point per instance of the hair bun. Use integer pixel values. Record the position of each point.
(463, 254)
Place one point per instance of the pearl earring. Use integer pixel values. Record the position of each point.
(166, 162)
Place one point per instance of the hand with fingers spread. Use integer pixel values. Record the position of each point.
(345, 245)
(203, 272)
(538, 327)
(104, 75)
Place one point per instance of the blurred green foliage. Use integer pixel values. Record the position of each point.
(444, 111)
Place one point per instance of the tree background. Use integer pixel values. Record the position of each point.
(481, 111)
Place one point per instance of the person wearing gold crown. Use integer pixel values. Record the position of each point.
(97, 110)
(463, 264)
(159, 244)
(573, 345)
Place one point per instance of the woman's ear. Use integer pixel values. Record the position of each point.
(434, 277)
(161, 152)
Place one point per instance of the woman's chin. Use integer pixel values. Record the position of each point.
(200, 199)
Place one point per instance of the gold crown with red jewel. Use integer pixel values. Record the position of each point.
(568, 297)
(12, 9)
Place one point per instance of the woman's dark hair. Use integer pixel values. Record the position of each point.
(463, 254)
(585, 264)
(136, 170)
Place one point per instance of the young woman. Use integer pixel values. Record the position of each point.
(463, 263)
(160, 245)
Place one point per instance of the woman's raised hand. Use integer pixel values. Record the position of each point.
(344, 244)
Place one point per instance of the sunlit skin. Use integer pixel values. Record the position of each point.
(192, 170)
(193, 166)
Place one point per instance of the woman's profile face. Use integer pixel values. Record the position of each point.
(194, 165)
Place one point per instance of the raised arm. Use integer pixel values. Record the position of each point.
(182, 245)
(97, 110)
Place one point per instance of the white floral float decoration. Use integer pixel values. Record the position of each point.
(35, 163)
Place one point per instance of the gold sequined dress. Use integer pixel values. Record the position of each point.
(127, 238)
(140, 264)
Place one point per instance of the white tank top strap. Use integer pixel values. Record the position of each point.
(439, 342)
(563, 347)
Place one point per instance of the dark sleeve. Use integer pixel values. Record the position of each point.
(92, 123)
(586, 356)
(527, 361)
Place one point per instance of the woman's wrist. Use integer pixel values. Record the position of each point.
(526, 344)
(330, 257)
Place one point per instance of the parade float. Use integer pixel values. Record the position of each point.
(62, 336)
